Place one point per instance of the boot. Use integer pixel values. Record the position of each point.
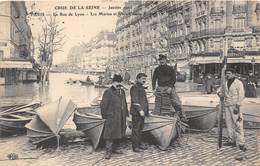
(182, 116)
(108, 155)
(229, 143)
(241, 156)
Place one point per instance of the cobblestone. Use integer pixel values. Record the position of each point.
(200, 149)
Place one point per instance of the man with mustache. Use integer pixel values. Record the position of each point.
(139, 109)
(114, 110)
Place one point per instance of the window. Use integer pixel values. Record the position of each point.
(239, 23)
(1, 54)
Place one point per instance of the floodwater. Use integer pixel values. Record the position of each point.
(81, 95)
(24, 93)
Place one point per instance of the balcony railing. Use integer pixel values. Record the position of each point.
(216, 53)
(205, 32)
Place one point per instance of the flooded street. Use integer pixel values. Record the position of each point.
(81, 95)
(24, 93)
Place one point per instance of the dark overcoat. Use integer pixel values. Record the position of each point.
(114, 110)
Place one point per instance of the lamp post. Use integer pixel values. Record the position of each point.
(253, 65)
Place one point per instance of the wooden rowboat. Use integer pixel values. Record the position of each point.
(251, 121)
(200, 118)
(163, 129)
(14, 119)
(86, 83)
(102, 85)
(49, 121)
(88, 121)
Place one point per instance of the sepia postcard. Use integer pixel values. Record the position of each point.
(129, 82)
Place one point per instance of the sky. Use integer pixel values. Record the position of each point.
(78, 29)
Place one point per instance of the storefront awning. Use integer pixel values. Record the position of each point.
(208, 60)
(15, 65)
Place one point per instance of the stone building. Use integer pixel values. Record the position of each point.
(15, 44)
(139, 33)
(95, 55)
(194, 34)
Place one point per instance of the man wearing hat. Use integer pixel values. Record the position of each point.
(139, 110)
(114, 110)
(233, 97)
(165, 77)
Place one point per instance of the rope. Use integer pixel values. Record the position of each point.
(98, 160)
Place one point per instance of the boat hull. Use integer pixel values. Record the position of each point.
(84, 83)
(10, 127)
(87, 121)
(163, 129)
(201, 119)
(13, 120)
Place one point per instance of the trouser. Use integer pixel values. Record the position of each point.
(112, 145)
(234, 123)
(164, 101)
(138, 123)
(109, 145)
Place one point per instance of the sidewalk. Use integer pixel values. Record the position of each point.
(194, 150)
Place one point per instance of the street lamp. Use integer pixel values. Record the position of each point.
(253, 65)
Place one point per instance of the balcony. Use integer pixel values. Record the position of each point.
(205, 32)
(216, 11)
(202, 13)
(205, 54)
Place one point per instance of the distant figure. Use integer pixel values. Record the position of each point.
(114, 109)
(100, 80)
(127, 77)
(216, 82)
(209, 84)
(251, 83)
(88, 79)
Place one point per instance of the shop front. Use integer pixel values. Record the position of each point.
(202, 66)
(12, 72)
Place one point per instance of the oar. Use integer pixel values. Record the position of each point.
(19, 108)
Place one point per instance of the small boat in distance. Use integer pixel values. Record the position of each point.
(86, 83)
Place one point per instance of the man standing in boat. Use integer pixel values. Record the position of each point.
(233, 116)
(165, 76)
(114, 110)
(139, 109)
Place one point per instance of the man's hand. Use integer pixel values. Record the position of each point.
(236, 109)
(169, 90)
(142, 113)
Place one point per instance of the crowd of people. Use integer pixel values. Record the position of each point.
(114, 107)
(212, 83)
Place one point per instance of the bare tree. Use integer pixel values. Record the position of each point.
(50, 40)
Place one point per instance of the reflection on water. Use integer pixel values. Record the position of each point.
(25, 93)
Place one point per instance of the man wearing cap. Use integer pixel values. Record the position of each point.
(233, 97)
(114, 110)
(139, 109)
(165, 76)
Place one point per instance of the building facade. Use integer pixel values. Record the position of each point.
(15, 43)
(95, 55)
(194, 34)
